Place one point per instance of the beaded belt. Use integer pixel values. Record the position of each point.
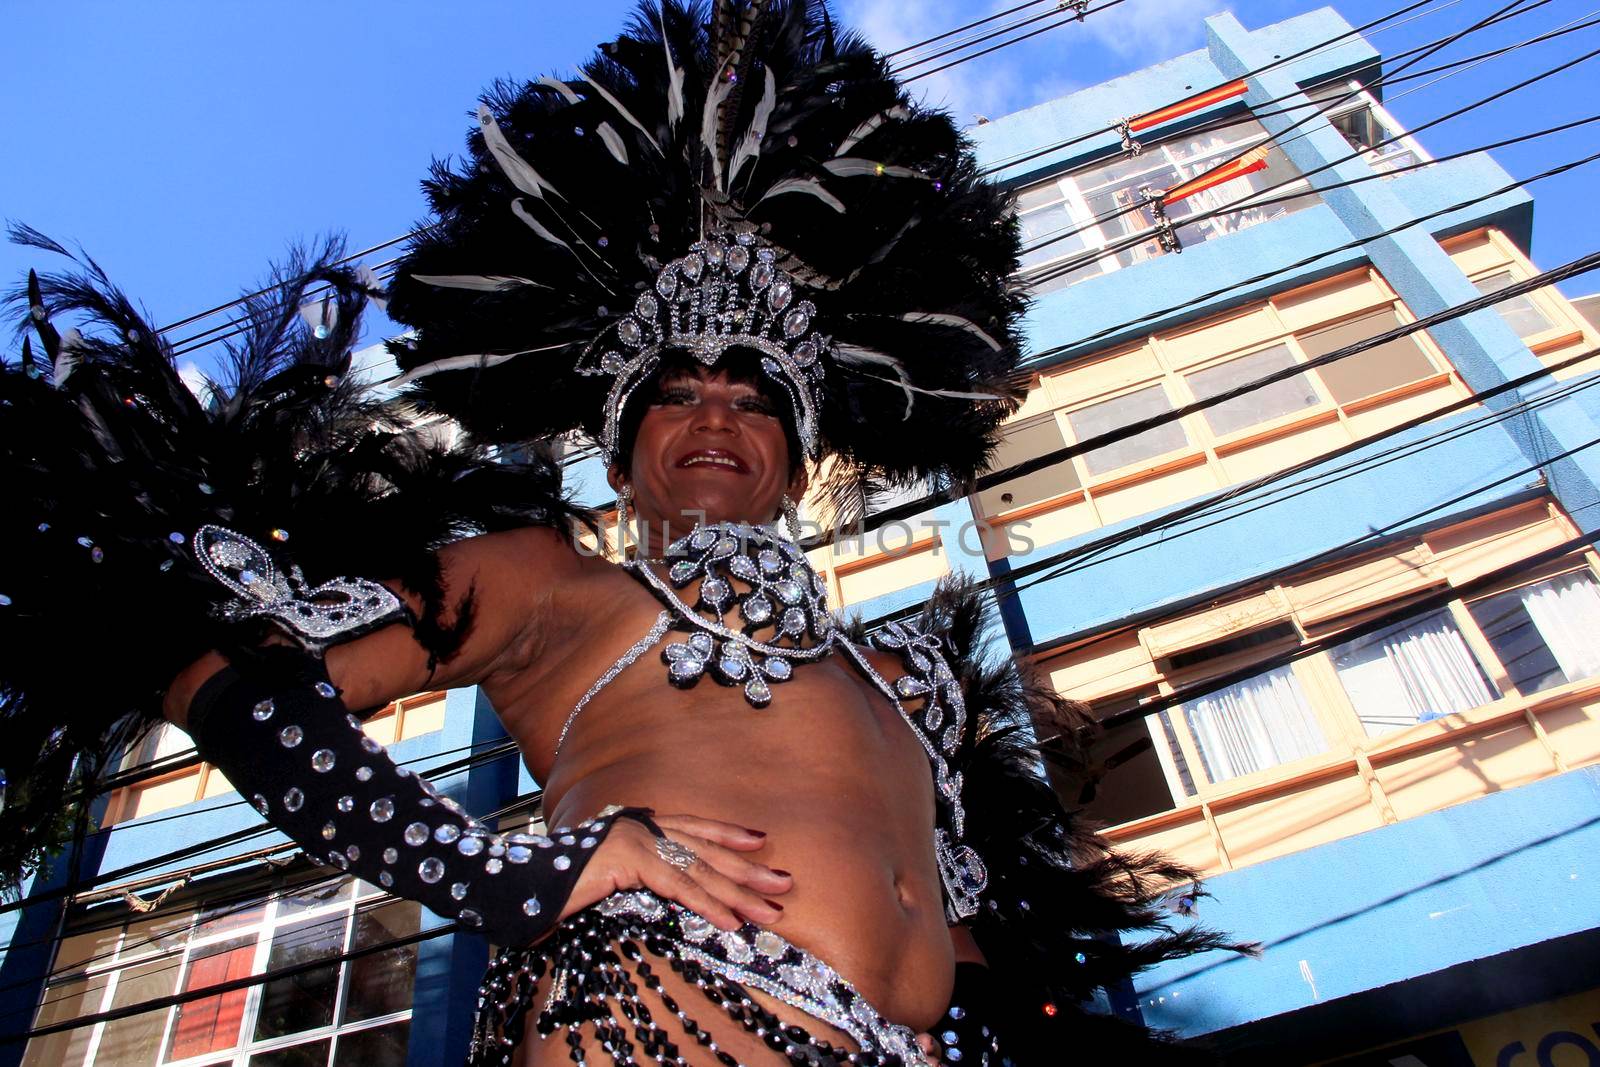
(585, 956)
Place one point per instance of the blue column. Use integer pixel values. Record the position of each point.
(28, 937)
(1482, 347)
(450, 967)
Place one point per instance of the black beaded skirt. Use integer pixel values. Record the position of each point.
(604, 990)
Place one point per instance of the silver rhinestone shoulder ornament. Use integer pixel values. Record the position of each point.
(340, 607)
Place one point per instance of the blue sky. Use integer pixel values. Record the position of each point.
(185, 144)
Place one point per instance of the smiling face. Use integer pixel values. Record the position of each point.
(710, 444)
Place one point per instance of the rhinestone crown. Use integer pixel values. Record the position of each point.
(727, 292)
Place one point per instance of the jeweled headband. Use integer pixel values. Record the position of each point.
(728, 292)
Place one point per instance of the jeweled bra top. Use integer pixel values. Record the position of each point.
(758, 605)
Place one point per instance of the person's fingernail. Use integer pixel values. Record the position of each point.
(773, 904)
(755, 833)
(781, 873)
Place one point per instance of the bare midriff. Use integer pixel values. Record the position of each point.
(829, 771)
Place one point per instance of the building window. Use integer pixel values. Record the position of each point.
(1377, 370)
(1308, 412)
(1544, 633)
(1519, 312)
(1411, 672)
(356, 1011)
(1254, 724)
(1104, 204)
(1259, 405)
(1024, 442)
(1109, 415)
(1368, 127)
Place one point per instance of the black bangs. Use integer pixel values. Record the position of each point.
(741, 366)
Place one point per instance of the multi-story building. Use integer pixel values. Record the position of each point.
(1341, 626)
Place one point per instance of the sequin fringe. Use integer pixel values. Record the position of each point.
(595, 960)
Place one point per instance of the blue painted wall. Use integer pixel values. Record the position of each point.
(1507, 870)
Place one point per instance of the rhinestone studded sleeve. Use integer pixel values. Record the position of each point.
(305, 764)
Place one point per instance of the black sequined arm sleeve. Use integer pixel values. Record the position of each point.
(288, 744)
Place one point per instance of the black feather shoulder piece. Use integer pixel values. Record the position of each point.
(113, 469)
(1063, 914)
(549, 257)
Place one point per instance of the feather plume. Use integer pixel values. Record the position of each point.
(849, 167)
(674, 76)
(485, 283)
(535, 225)
(613, 142)
(110, 469)
(561, 87)
(516, 168)
(750, 144)
(861, 132)
(808, 186)
(627, 115)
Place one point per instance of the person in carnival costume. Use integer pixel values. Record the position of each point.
(734, 253)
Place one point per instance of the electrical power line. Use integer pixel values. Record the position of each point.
(914, 507)
(505, 747)
(1331, 43)
(1413, 608)
(1374, 24)
(1245, 116)
(1144, 235)
(1006, 585)
(1359, 242)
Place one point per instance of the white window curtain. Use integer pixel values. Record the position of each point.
(1566, 612)
(1257, 723)
(1411, 673)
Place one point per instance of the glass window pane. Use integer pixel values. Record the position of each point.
(1109, 415)
(380, 1046)
(1259, 405)
(380, 984)
(1179, 760)
(312, 1054)
(1520, 312)
(1543, 633)
(64, 1002)
(231, 913)
(318, 894)
(1411, 672)
(87, 948)
(1371, 372)
(1037, 196)
(136, 1040)
(162, 933)
(212, 1024)
(1026, 442)
(1254, 724)
(301, 1001)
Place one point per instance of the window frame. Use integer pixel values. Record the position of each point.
(1157, 360)
(1078, 185)
(350, 897)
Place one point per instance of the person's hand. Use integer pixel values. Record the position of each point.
(721, 885)
(930, 1050)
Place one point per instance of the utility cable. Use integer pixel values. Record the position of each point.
(1006, 585)
(507, 746)
(1432, 48)
(1251, 115)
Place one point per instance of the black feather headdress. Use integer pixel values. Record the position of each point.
(112, 464)
(748, 129)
